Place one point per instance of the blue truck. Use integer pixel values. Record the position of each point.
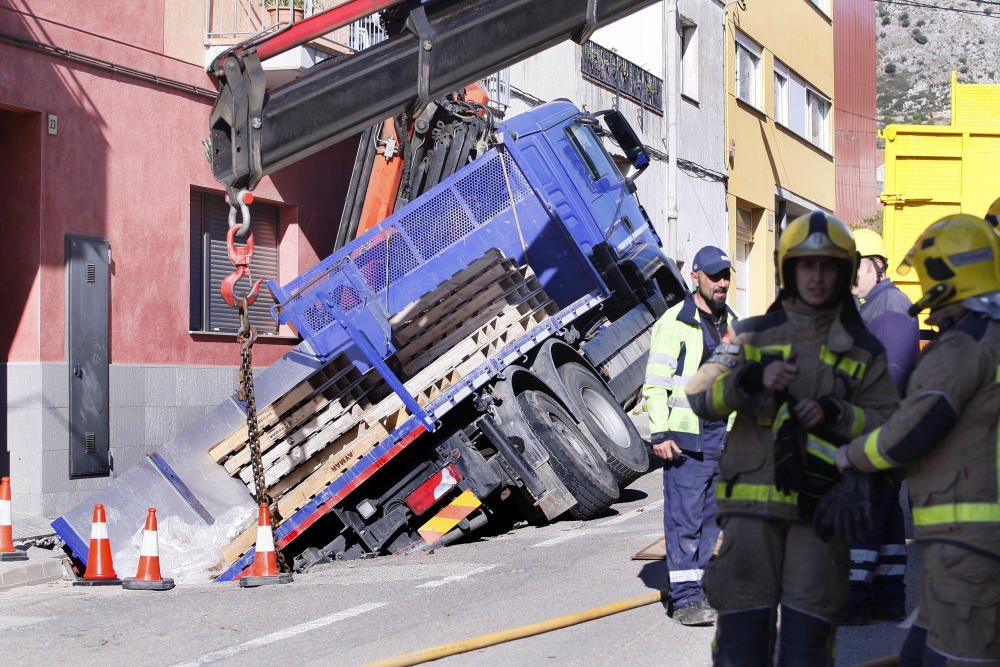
(472, 353)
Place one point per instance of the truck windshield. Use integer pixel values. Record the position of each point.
(598, 162)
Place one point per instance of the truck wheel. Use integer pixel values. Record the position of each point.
(611, 427)
(574, 459)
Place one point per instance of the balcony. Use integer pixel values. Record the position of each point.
(229, 22)
(609, 70)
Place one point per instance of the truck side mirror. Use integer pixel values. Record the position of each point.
(628, 140)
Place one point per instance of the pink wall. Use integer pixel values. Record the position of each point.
(854, 108)
(122, 166)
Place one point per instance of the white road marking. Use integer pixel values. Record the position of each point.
(572, 535)
(456, 577)
(281, 635)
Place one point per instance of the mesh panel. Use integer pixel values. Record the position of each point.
(414, 235)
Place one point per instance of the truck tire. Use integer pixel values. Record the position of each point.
(574, 459)
(607, 422)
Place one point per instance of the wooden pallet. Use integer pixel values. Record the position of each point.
(324, 425)
(296, 489)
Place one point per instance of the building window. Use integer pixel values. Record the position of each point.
(748, 71)
(209, 313)
(817, 119)
(780, 96)
(689, 59)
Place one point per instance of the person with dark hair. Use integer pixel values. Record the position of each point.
(691, 447)
(945, 436)
(878, 559)
(801, 377)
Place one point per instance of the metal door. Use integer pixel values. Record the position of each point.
(87, 261)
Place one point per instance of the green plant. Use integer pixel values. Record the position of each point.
(919, 37)
(890, 68)
(285, 4)
(886, 20)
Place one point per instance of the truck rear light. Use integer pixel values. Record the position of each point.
(427, 494)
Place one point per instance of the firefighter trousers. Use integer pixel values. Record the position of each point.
(766, 563)
(878, 561)
(959, 618)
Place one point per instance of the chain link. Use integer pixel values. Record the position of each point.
(246, 337)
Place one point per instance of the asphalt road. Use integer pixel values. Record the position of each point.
(354, 612)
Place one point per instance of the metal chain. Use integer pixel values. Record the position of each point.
(246, 337)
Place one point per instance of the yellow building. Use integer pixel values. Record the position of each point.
(779, 125)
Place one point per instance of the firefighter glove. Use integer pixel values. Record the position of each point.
(845, 510)
(789, 456)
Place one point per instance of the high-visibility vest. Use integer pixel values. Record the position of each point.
(675, 352)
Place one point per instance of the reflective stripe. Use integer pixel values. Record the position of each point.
(891, 550)
(148, 543)
(99, 530)
(821, 449)
(852, 367)
(5, 513)
(862, 575)
(957, 513)
(718, 396)
(858, 424)
(872, 452)
(681, 576)
(753, 353)
(678, 402)
(891, 570)
(864, 556)
(659, 381)
(762, 493)
(662, 358)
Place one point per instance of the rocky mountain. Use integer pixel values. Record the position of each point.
(920, 42)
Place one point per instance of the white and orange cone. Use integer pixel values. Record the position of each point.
(148, 577)
(7, 550)
(265, 560)
(100, 566)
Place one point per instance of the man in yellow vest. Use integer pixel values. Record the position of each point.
(944, 435)
(691, 447)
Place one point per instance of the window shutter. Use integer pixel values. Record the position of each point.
(264, 223)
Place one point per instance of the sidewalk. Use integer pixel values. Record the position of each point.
(43, 564)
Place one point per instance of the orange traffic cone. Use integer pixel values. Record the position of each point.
(100, 568)
(147, 577)
(265, 560)
(7, 550)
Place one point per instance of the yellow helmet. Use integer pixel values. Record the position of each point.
(993, 215)
(956, 258)
(816, 234)
(869, 243)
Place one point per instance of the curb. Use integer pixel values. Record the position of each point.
(38, 570)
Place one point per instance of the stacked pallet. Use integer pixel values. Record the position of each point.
(324, 425)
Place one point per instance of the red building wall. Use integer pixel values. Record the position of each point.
(122, 166)
(854, 108)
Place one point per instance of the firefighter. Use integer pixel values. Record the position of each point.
(803, 375)
(878, 560)
(993, 215)
(944, 435)
(691, 447)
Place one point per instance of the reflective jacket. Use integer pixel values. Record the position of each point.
(945, 435)
(843, 363)
(675, 352)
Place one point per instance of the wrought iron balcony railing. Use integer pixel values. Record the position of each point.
(608, 69)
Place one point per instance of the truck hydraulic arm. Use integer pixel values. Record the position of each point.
(448, 44)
